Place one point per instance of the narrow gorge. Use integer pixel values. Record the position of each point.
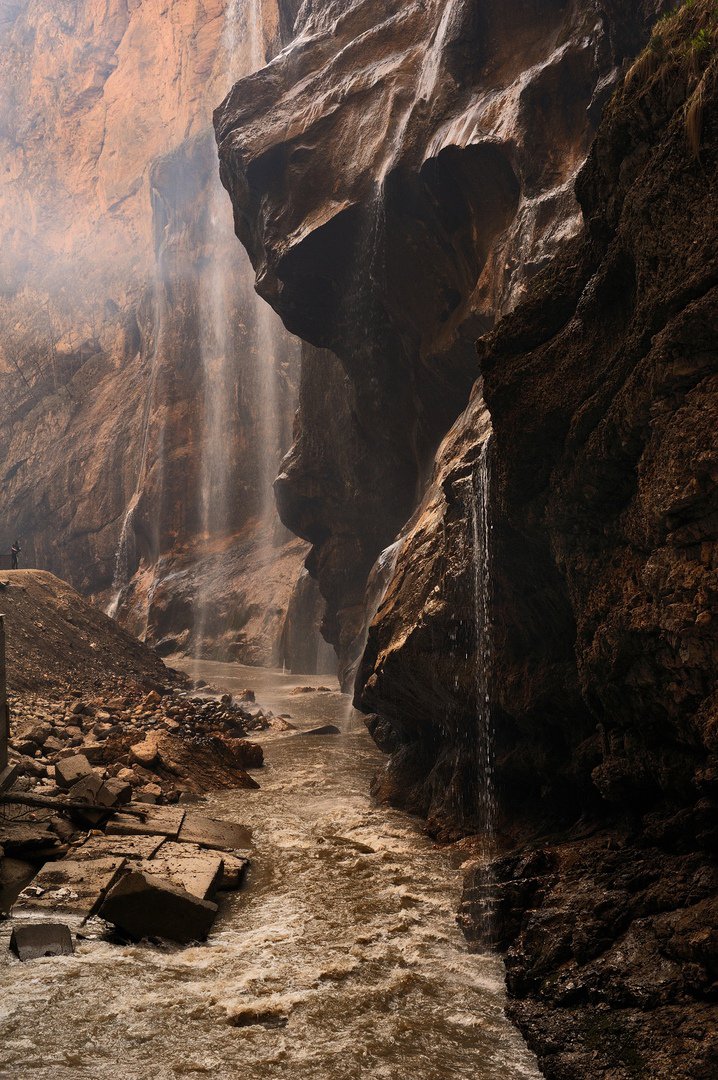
(376, 341)
(407, 179)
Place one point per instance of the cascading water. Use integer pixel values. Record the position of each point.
(483, 757)
(481, 539)
(245, 52)
(125, 555)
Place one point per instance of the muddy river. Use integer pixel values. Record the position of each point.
(340, 959)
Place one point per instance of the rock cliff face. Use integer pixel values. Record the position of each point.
(466, 196)
(147, 399)
(398, 175)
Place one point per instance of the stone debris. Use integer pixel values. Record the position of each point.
(144, 905)
(159, 820)
(29, 941)
(169, 737)
(210, 833)
(69, 770)
(74, 886)
(188, 867)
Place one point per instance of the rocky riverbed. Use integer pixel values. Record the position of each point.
(341, 956)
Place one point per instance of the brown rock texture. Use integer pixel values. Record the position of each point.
(398, 174)
(599, 382)
(137, 447)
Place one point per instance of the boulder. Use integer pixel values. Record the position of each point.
(250, 755)
(144, 905)
(114, 792)
(32, 940)
(86, 789)
(144, 753)
(69, 770)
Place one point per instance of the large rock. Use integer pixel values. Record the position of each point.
(143, 905)
(29, 941)
(71, 770)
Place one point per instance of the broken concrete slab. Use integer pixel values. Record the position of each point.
(75, 886)
(29, 941)
(189, 867)
(159, 820)
(234, 870)
(213, 833)
(127, 847)
(26, 837)
(143, 905)
(69, 770)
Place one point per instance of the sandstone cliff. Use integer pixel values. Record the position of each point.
(466, 196)
(147, 398)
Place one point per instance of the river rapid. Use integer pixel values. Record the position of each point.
(339, 960)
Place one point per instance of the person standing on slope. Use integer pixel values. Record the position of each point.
(14, 552)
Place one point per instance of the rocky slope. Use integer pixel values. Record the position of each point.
(147, 398)
(455, 207)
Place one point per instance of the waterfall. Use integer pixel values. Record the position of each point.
(483, 661)
(125, 554)
(244, 49)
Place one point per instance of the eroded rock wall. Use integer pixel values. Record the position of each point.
(398, 175)
(597, 403)
(117, 259)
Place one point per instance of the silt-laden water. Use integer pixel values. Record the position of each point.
(340, 960)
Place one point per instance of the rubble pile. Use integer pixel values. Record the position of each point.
(162, 744)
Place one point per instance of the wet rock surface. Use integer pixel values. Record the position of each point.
(397, 178)
(601, 391)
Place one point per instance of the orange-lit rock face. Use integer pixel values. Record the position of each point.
(117, 255)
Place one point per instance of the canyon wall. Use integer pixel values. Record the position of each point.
(406, 178)
(147, 395)
(397, 176)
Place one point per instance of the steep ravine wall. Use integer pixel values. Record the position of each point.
(600, 392)
(398, 175)
(116, 254)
